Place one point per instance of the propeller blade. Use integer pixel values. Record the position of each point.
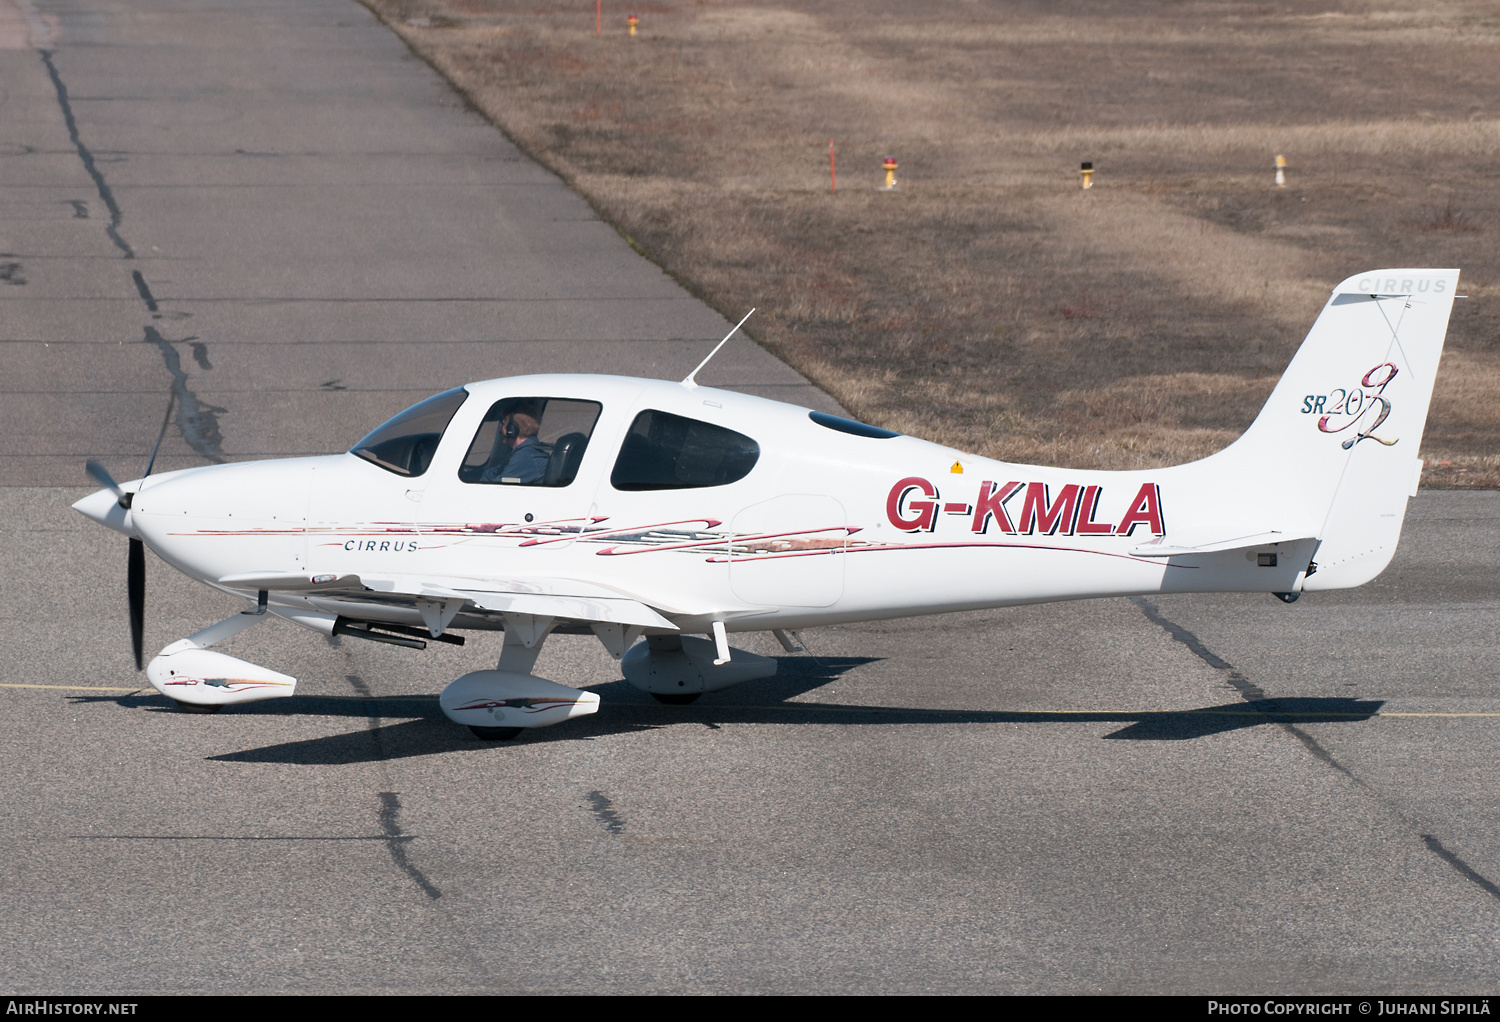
(135, 586)
(103, 478)
(135, 566)
(166, 421)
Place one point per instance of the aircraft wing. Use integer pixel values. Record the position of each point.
(586, 603)
(1185, 545)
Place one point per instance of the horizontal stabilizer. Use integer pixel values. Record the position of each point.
(1186, 545)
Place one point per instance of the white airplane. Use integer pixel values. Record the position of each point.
(678, 514)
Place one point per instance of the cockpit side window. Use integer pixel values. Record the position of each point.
(405, 444)
(530, 441)
(663, 451)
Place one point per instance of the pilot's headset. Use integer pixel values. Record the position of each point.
(511, 429)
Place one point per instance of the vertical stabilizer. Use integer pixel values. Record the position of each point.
(1339, 440)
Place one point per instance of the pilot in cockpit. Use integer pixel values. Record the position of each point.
(527, 463)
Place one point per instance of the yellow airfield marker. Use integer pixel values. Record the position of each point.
(1281, 172)
(1473, 714)
(1087, 170)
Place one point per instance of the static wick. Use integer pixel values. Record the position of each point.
(890, 174)
(1281, 172)
(1087, 170)
(631, 21)
(690, 382)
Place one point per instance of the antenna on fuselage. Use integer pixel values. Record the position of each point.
(690, 382)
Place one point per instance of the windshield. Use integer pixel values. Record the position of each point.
(405, 444)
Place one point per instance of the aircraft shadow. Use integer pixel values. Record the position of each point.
(627, 710)
(1167, 726)
(794, 676)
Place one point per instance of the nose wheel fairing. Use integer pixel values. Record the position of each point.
(203, 677)
(197, 677)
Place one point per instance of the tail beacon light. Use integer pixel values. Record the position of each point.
(203, 677)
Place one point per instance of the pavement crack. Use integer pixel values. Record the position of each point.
(1252, 693)
(197, 421)
(390, 801)
(395, 842)
(1202, 652)
(86, 155)
(1463, 868)
(144, 290)
(604, 811)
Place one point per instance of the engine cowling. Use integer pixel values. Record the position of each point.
(204, 677)
(506, 699)
(653, 666)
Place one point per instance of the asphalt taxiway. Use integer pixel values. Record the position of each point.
(275, 210)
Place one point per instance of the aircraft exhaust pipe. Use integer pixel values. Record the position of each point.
(392, 634)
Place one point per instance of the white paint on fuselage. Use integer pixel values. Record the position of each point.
(343, 515)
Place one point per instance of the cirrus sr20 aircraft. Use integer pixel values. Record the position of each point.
(662, 517)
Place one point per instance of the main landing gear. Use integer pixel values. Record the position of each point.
(498, 705)
(677, 669)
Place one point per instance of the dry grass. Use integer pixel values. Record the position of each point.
(1449, 218)
(989, 302)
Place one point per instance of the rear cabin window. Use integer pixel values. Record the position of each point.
(663, 451)
(850, 426)
(530, 441)
(405, 444)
